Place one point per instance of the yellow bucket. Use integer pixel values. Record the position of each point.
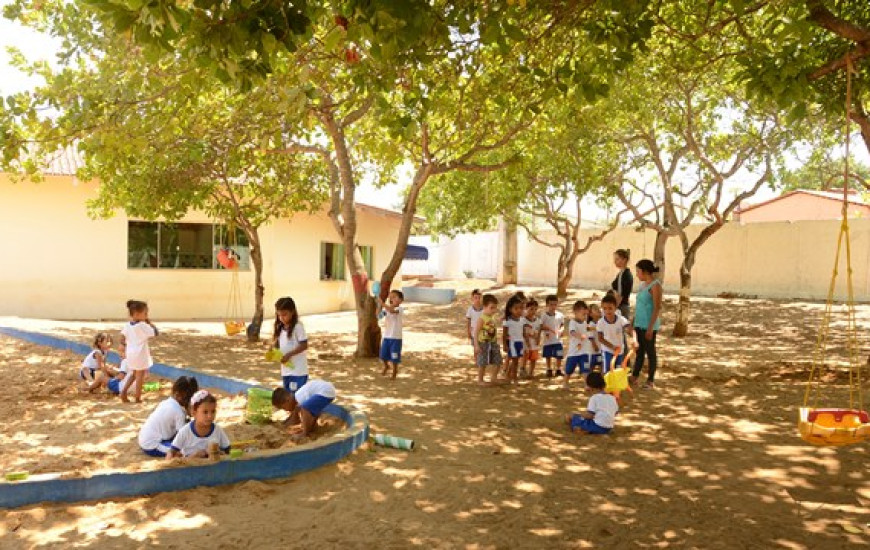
(234, 327)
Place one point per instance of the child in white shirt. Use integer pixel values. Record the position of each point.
(475, 310)
(289, 337)
(594, 317)
(305, 406)
(532, 339)
(391, 343)
(156, 435)
(600, 413)
(201, 437)
(94, 370)
(552, 323)
(580, 347)
(514, 336)
(611, 328)
(134, 346)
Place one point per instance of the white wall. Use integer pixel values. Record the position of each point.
(451, 258)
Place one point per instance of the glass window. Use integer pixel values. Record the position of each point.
(182, 245)
(332, 265)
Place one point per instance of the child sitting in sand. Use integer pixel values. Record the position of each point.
(134, 345)
(290, 338)
(305, 406)
(156, 435)
(118, 377)
(201, 437)
(391, 345)
(598, 418)
(94, 367)
(486, 332)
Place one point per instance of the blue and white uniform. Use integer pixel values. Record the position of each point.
(115, 384)
(188, 442)
(156, 435)
(391, 344)
(315, 396)
(580, 349)
(516, 339)
(294, 374)
(604, 406)
(136, 336)
(613, 332)
(90, 364)
(553, 340)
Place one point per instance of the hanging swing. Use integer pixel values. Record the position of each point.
(228, 259)
(837, 426)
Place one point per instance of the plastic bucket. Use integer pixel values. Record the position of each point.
(259, 409)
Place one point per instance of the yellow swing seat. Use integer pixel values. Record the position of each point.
(833, 427)
(234, 327)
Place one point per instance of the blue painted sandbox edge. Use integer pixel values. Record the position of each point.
(264, 466)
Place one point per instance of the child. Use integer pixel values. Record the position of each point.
(118, 378)
(551, 327)
(611, 327)
(198, 438)
(488, 351)
(594, 317)
(156, 435)
(580, 348)
(289, 337)
(305, 406)
(513, 336)
(94, 368)
(598, 418)
(471, 317)
(391, 345)
(134, 345)
(532, 339)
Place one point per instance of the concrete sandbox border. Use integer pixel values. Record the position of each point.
(272, 464)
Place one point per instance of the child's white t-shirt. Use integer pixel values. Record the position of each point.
(298, 365)
(612, 332)
(534, 331)
(393, 324)
(162, 424)
(315, 387)
(515, 328)
(90, 362)
(604, 407)
(188, 442)
(555, 323)
(578, 339)
(592, 333)
(137, 334)
(473, 315)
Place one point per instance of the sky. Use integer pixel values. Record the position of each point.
(36, 46)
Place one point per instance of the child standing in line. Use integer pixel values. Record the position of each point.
(611, 328)
(513, 336)
(532, 339)
(156, 435)
(594, 317)
(391, 345)
(305, 406)
(580, 347)
(471, 316)
(552, 323)
(134, 346)
(289, 337)
(488, 352)
(201, 437)
(94, 368)
(600, 413)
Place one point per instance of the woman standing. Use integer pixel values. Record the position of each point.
(647, 320)
(621, 285)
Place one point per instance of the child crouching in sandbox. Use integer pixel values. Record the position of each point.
(156, 435)
(305, 406)
(201, 437)
(598, 418)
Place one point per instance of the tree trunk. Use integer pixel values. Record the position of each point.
(409, 210)
(508, 271)
(681, 327)
(253, 330)
(659, 253)
(565, 272)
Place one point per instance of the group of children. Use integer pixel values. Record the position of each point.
(95, 370)
(597, 337)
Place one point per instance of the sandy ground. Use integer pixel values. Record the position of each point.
(709, 460)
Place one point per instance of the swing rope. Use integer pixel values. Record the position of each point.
(844, 247)
(233, 315)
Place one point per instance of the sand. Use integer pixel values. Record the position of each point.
(709, 460)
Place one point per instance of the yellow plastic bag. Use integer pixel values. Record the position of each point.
(616, 380)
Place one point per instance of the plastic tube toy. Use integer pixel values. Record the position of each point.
(394, 442)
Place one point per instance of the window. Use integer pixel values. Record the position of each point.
(161, 245)
(332, 265)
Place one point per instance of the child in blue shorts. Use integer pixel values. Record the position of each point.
(598, 418)
(552, 322)
(117, 381)
(580, 348)
(305, 406)
(391, 345)
(514, 336)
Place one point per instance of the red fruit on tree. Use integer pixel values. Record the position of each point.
(351, 56)
(341, 21)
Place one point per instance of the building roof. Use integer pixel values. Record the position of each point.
(833, 195)
(64, 162)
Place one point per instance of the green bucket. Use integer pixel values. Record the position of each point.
(259, 409)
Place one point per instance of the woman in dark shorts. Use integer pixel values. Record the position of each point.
(621, 285)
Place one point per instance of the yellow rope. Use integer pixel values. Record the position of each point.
(856, 397)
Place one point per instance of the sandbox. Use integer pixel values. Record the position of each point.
(262, 465)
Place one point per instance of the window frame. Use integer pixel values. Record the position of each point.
(369, 265)
(217, 229)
